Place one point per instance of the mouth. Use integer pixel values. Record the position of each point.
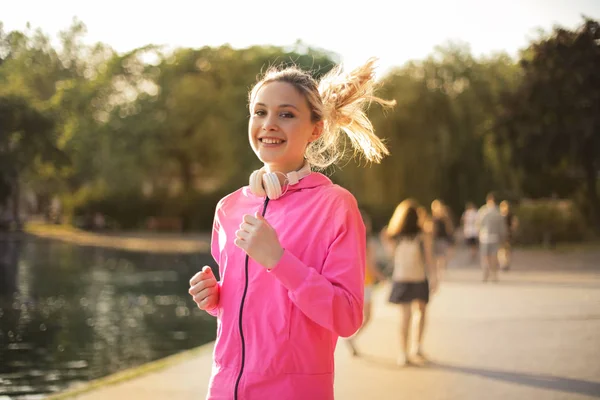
(269, 141)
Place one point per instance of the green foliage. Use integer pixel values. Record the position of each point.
(552, 121)
(27, 138)
(155, 133)
(25, 134)
(549, 221)
(439, 133)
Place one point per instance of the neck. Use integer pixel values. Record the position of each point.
(284, 169)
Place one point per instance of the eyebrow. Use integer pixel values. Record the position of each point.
(280, 106)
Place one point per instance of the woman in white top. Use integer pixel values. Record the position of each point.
(414, 275)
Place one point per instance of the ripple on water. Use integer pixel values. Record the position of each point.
(76, 364)
(21, 346)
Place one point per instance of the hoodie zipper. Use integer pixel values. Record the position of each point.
(239, 378)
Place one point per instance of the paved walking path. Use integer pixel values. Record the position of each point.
(534, 335)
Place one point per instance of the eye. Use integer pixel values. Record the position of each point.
(260, 113)
(287, 115)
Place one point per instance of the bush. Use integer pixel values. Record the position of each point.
(127, 211)
(549, 221)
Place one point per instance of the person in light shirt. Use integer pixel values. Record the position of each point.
(414, 277)
(492, 232)
(469, 222)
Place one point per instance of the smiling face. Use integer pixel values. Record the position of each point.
(280, 126)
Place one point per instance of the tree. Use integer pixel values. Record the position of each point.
(438, 133)
(197, 121)
(552, 121)
(26, 135)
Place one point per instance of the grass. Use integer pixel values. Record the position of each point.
(132, 373)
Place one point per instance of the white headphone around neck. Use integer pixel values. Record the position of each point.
(263, 183)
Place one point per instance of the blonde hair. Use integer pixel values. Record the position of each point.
(437, 208)
(339, 100)
(398, 221)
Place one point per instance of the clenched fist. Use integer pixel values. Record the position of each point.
(259, 240)
(204, 289)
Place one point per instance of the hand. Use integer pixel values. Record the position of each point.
(204, 289)
(381, 277)
(259, 240)
(433, 285)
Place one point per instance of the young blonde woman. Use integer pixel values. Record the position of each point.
(414, 276)
(291, 245)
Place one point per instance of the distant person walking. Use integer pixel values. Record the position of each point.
(469, 224)
(413, 278)
(492, 232)
(512, 223)
(443, 232)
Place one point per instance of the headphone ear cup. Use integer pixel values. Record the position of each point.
(271, 185)
(256, 183)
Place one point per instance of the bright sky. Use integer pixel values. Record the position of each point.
(393, 30)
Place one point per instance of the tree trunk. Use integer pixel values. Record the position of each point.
(187, 183)
(16, 201)
(592, 191)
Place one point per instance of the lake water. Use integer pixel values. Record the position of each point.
(69, 314)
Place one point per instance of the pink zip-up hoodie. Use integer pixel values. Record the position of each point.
(277, 329)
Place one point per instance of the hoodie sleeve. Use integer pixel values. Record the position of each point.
(215, 250)
(334, 297)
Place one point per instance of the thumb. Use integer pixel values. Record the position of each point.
(259, 216)
(207, 270)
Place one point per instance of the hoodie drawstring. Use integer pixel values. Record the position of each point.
(237, 382)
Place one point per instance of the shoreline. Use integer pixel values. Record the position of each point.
(133, 372)
(133, 241)
(198, 242)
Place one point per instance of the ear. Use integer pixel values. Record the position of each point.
(317, 132)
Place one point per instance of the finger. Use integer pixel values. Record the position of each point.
(198, 300)
(242, 234)
(260, 218)
(197, 288)
(196, 278)
(249, 219)
(204, 274)
(204, 303)
(247, 227)
(240, 243)
(207, 292)
(199, 297)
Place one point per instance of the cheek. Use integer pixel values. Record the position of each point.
(252, 126)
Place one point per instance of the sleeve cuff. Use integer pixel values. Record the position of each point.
(290, 271)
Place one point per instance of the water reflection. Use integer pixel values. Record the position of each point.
(69, 314)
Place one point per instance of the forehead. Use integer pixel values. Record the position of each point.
(276, 93)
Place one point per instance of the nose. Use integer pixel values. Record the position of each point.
(270, 123)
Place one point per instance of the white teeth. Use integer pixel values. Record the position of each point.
(271, 141)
